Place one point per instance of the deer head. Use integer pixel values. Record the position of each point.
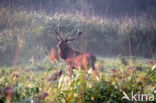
(64, 42)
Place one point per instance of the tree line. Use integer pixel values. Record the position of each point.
(87, 7)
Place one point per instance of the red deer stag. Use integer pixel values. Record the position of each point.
(72, 57)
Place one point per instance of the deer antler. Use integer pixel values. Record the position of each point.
(57, 31)
(74, 38)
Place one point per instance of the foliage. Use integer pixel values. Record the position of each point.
(31, 83)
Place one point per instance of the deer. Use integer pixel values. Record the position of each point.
(73, 58)
(53, 55)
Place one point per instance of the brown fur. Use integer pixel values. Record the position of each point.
(53, 56)
(73, 58)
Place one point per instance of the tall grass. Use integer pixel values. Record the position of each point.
(32, 34)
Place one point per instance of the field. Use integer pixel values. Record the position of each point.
(27, 75)
(36, 82)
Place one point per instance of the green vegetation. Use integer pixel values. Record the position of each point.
(32, 82)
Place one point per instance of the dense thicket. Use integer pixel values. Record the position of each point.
(87, 7)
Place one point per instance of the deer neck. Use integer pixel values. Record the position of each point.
(64, 52)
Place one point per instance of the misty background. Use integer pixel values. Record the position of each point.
(86, 7)
(111, 27)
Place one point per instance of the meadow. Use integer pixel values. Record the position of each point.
(27, 75)
(35, 83)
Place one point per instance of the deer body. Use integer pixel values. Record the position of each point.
(74, 58)
(77, 59)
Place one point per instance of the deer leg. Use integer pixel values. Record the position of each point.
(94, 72)
(69, 71)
